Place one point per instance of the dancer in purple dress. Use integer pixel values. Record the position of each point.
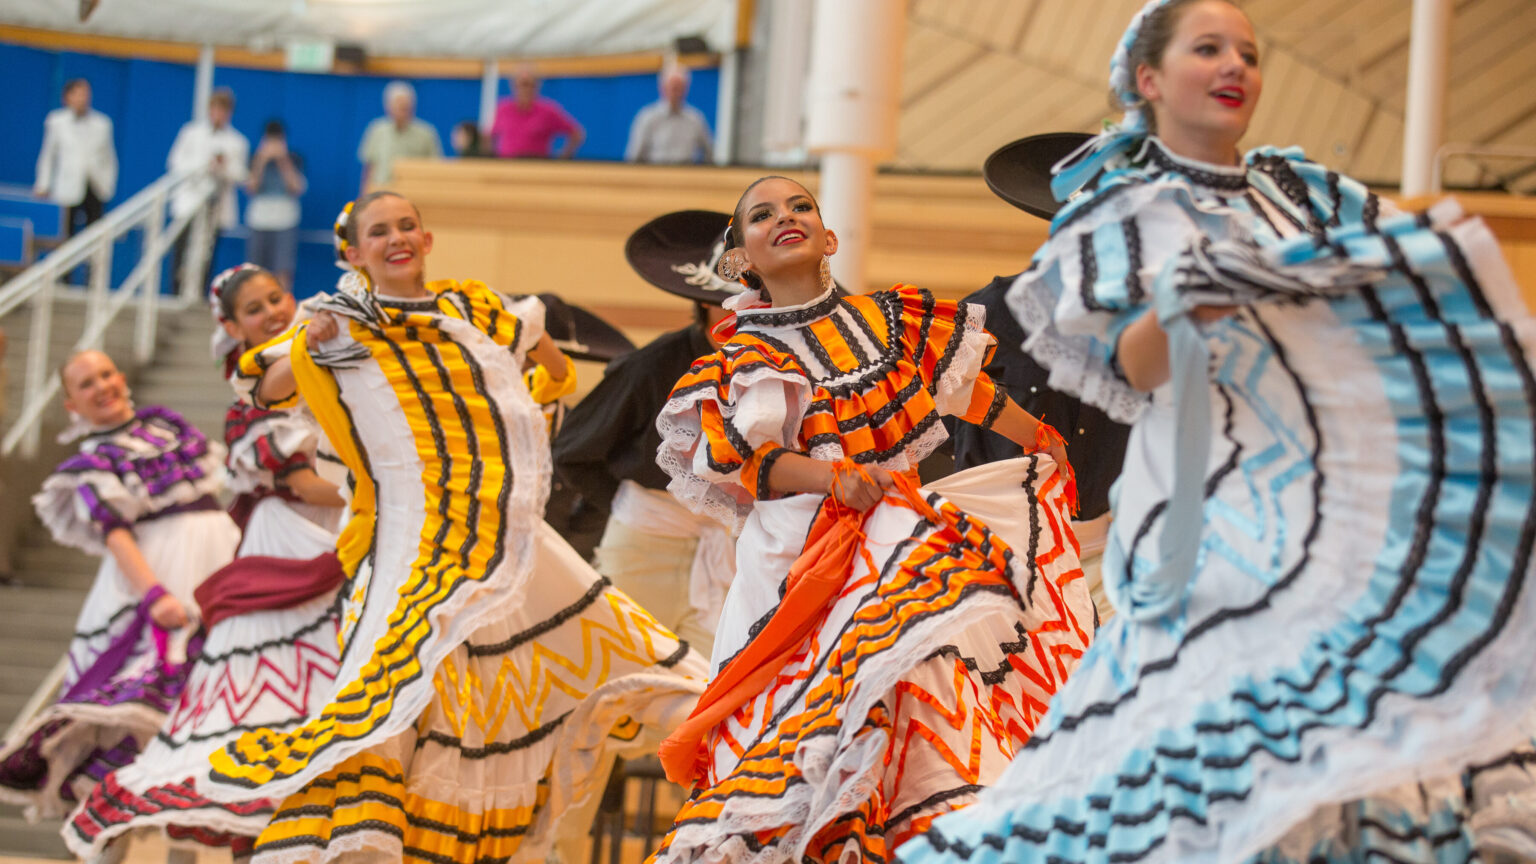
(140, 494)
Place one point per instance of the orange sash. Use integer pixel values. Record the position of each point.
(832, 546)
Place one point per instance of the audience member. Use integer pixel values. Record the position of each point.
(527, 123)
(669, 130)
(397, 135)
(466, 140)
(214, 146)
(77, 166)
(272, 214)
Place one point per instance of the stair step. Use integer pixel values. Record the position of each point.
(34, 625)
(53, 556)
(201, 374)
(71, 581)
(19, 837)
(30, 600)
(11, 704)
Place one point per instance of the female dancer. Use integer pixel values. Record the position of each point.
(140, 494)
(882, 650)
(270, 651)
(1322, 551)
(488, 676)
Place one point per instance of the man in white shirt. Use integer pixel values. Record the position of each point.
(212, 145)
(77, 167)
(669, 131)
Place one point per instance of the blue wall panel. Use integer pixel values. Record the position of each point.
(149, 100)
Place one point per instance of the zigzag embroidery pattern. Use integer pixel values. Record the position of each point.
(526, 677)
(314, 666)
(966, 726)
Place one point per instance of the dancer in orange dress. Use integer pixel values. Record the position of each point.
(883, 649)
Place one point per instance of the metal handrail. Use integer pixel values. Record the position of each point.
(1447, 152)
(39, 284)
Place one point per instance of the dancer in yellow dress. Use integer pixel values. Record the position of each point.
(489, 676)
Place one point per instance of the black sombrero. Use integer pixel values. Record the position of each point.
(1020, 173)
(677, 253)
(580, 333)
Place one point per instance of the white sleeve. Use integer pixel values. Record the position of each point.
(636, 136)
(45, 156)
(108, 161)
(238, 166)
(181, 157)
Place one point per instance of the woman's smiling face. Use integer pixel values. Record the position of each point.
(781, 228)
(391, 243)
(1207, 82)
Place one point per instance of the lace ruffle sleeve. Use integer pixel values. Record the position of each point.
(1096, 275)
(265, 446)
(116, 480)
(949, 343)
(726, 422)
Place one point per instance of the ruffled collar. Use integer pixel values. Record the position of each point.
(94, 431)
(788, 316)
(1220, 178)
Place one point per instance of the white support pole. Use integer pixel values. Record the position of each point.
(725, 108)
(855, 84)
(1424, 124)
(784, 94)
(727, 94)
(101, 280)
(490, 78)
(202, 83)
(198, 245)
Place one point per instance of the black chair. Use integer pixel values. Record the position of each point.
(609, 819)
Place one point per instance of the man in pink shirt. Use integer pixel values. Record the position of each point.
(527, 124)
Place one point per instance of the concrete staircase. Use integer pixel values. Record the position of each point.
(48, 582)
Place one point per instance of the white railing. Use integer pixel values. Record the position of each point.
(45, 695)
(38, 285)
(1449, 152)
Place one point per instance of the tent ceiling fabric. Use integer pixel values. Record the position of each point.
(463, 28)
(979, 73)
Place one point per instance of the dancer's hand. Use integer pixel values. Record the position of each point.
(323, 327)
(853, 490)
(168, 612)
(1058, 453)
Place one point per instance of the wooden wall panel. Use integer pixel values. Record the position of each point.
(1335, 73)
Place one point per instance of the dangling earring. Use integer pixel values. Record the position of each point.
(733, 263)
(826, 274)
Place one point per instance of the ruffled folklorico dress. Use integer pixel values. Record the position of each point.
(155, 475)
(488, 675)
(1322, 545)
(855, 706)
(269, 656)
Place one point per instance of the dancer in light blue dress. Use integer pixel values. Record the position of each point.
(1322, 550)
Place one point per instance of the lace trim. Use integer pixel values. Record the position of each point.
(952, 392)
(841, 772)
(1075, 364)
(792, 316)
(681, 434)
(1228, 179)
